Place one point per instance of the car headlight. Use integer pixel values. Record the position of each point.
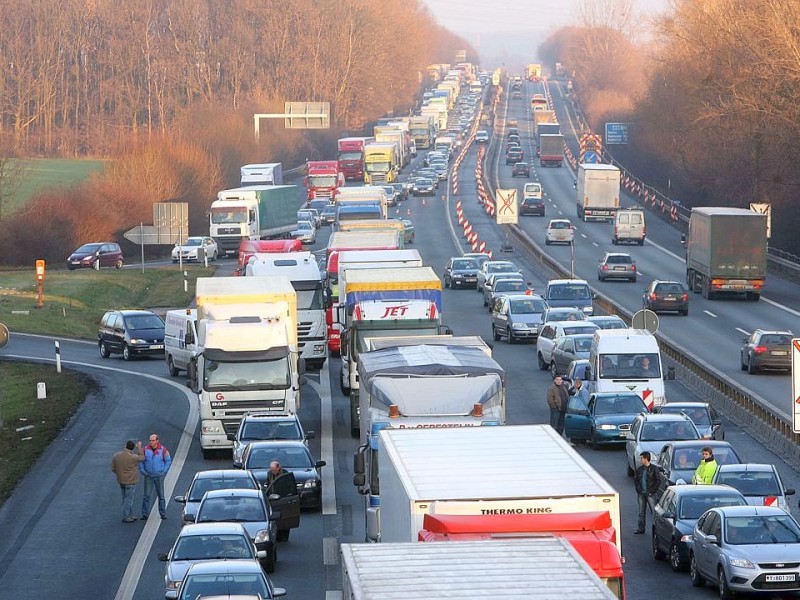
(607, 427)
(237, 454)
(588, 309)
(741, 563)
(262, 536)
(311, 483)
(457, 276)
(518, 326)
(211, 429)
(173, 585)
(137, 341)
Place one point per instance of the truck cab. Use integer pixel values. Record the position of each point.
(323, 179)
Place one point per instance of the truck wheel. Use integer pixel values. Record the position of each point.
(171, 366)
(283, 535)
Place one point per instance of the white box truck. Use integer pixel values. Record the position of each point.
(533, 471)
(262, 174)
(598, 191)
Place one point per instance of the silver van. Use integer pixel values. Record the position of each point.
(629, 226)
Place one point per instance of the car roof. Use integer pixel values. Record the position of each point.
(686, 404)
(695, 489)
(500, 262)
(682, 444)
(278, 444)
(668, 417)
(617, 254)
(132, 312)
(269, 417)
(583, 324)
(524, 297)
(234, 493)
(751, 511)
(565, 281)
(210, 567)
(748, 468)
(212, 528)
(224, 473)
(771, 331)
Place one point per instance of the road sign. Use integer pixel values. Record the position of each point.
(506, 203)
(796, 385)
(591, 146)
(645, 319)
(617, 133)
(590, 156)
(40, 270)
(307, 115)
(764, 209)
(150, 235)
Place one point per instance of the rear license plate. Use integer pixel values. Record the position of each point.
(619, 268)
(788, 577)
(670, 298)
(779, 353)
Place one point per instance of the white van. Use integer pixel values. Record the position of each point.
(532, 190)
(626, 360)
(180, 339)
(629, 226)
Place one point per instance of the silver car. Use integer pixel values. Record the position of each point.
(760, 484)
(502, 284)
(652, 432)
(702, 414)
(217, 479)
(745, 549)
(305, 232)
(494, 266)
(517, 317)
(617, 265)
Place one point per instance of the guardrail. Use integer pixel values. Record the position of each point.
(759, 416)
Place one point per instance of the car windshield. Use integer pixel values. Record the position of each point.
(295, 457)
(527, 307)
(144, 322)
(192, 242)
(465, 263)
(610, 323)
(231, 508)
(270, 430)
(88, 248)
(211, 547)
(690, 457)
(502, 268)
(617, 405)
(304, 226)
(751, 483)
(669, 288)
(569, 291)
(510, 285)
(699, 416)
(761, 529)
(618, 259)
(206, 484)
(630, 366)
(692, 507)
(224, 585)
(559, 225)
(667, 431)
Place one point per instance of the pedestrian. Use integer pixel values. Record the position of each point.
(157, 461)
(125, 465)
(704, 474)
(557, 398)
(649, 483)
(275, 471)
(578, 390)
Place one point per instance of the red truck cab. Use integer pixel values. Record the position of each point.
(248, 248)
(351, 157)
(323, 179)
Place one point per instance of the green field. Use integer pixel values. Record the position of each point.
(42, 173)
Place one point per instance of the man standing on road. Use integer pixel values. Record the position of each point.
(125, 465)
(648, 482)
(557, 398)
(704, 474)
(154, 468)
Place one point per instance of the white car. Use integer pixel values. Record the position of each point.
(482, 136)
(309, 214)
(559, 231)
(305, 232)
(189, 250)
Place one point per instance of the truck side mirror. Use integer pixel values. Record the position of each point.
(358, 463)
(445, 330)
(683, 239)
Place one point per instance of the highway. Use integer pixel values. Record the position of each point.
(61, 530)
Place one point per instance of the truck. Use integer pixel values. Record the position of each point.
(388, 134)
(421, 387)
(546, 129)
(590, 534)
(543, 116)
(538, 103)
(533, 72)
(342, 259)
(351, 157)
(366, 194)
(252, 213)
(444, 143)
(302, 270)
(381, 163)
(598, 191)
(262, 174)
(551, 150)
(533, 471)
(323, 179)
(726, 251)
(545, 567)
(422, 131)
(439, 114)
(247, 353)
(371, 225)
(248, 248)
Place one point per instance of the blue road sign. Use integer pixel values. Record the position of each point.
(617, 133)
(590, 156)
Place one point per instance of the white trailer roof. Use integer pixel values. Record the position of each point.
(531, 461)
(545, 568)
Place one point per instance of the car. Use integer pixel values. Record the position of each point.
(132, 333)
(531, 205)
(605, 419)
(423, 187)
(512, 131)
(517, 317)
(296, 459)
(441, 170)
(514, 155)
(227, 579)
(551, 332)
(328, 214)
(760, 484)
(521, 169)
(766, 349)
(195, 249)
(96, 255)
(461, 272)
(702, 414)
(319, 204)
(500, 285)
(679, 460)
(559, 231)
(433, 156)
(651, 431)
(512, 123)
(481, 257)
(570, 292)
(392, 195)
(616, 265)
(514, 137)
(745, 549)
(577, 368)
(305, 232)
(203, 542)
(248, 507)
(409, 233)
(564, 313)
(494, 266)
(309, 214)
(608, 321)
(675, 515)
(569, 348)
(217, 479)
(513, 145)
(429, 174)
(262, 426)
(492, 277)
(662, 296)
(400, 190)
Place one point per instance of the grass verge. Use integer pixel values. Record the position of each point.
(38, 174)
(19, 408)
(74, 301)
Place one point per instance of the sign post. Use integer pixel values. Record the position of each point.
(764, 208)
(39, 282)
(796, 385)
(507, 213)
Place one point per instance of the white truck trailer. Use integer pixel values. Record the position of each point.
(598, 191)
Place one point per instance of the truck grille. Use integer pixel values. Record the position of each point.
(323, 194)
(378, 177)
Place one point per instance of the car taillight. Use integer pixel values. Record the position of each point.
(633, 267)
(685, 297)
(653, 296)
(760, 349)
(604, 268)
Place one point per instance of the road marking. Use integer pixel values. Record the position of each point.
(560, 212)
(742, 330)
(333, 595)
(595, 244)
(326, 417)
(583, 235)
(710, 314)
(781, 306)
(330, 551)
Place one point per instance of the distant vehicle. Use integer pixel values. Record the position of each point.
(531, 206)
(616, 265)
(235, 578)
(305, 232)
(702, 414)
(651, 432)
(679, 459)
(764, 349)
(514, 156)
(409, 232)
(760, 484)
(568, 349)
(494, 266)
(517, 317)
(216, 479)
(131, 333)
(569, 292)
(481, 257)
(559, 231)
(504, 286)
(521, 169)
(96, 255)
(309, 214)
(551, 332)
(423, 187)
(511, 132)
(605, 419)
(189, 250)
(629, 226)
(461, 272)
(328, 214)
(663, 296)
(608, 322)
(260, 426)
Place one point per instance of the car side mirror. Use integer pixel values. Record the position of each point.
(231, 437)
(310, 435)
(180, 499)
(594, 295)
(789, 492)
(163, 557)
(712, 539)
(189, 518)
(319, 464)
(262, 553)
(278, 592)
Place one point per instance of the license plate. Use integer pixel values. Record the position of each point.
(619, 268)
(789, 577)
(670, 298)
(779, 353)
(157, 347)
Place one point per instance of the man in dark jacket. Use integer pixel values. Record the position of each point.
(125, 465)
(649, 482)
(557, 398)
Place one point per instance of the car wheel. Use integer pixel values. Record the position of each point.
(542, 365)
(509, 336)
(214, 256)
(656, 552)
(553, 370)
(675, 557)
(283, 535)
(485, 301)
(126, 353)
(724, 591)
(751, 368)
(118, 265)
(742, 364)
(495, 334)
(171, 366)
(697, 579)
(446, 283)
(272, 558)
(630, 471)
(104, 353)
(592, 441)
(684, 312)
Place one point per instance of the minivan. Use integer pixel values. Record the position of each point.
(629, 226)
(131, 333)
(180, 339)
(569, 292)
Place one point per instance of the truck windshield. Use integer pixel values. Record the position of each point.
(349, 155)
(235, 214)
(377, 167)
(322, 181)
(309, 299)
(254, 375)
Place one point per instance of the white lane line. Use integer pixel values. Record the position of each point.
(333, 595)
(560, 212)
(595, 244)
(742, 330)
(781, 306)
(710, 314)
(323, 389)
(583, 235)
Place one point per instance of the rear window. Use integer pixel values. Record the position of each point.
(669, 288)
(777, 340)
(559, 225)
(618, 259)
(751, 484)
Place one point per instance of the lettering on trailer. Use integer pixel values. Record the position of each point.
(517, 511)
(435, 425)
(395, 311)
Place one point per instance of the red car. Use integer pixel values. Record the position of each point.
(96, 255)
(521, 169)
(513, 156)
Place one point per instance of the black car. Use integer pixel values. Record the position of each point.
(296, 459)
(96, 255)
(765, 349)
(531, 206)
(461, 272)
(666, 296)
(676, 513)
(131, 333)
(328, 214)
(521, 169)
(423, 187)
